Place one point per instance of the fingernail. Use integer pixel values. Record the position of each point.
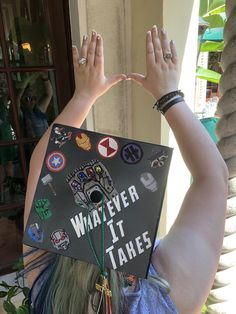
(85, 37)
(154, 26)
(148, 33)
(172, 42)
(98, 37)
(163, 31)
(93, 33)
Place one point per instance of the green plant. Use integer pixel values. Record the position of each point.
(8, 293)
(212, 12)
(204, 310)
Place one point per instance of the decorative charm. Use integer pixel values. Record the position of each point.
(55, 161)
(107, 147)
(104, 287)
(60, 239)
(131, 153)
(149, 181)
(83, 141)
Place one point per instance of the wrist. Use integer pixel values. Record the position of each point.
(80, 98)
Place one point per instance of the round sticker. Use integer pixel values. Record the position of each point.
(60, 239)
(108, 147)
(55, 161)
(131, 153)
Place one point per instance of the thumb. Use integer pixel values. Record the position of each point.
(114, 79)
(139, 78)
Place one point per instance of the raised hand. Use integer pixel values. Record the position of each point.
(161, 63)
(90, 80)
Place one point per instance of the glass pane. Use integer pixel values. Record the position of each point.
(26, 32)
(11, 226)
(12, 186)
(28, 152)
(36, 101)
(7, 132)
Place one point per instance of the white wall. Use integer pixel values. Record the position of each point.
(181, 21)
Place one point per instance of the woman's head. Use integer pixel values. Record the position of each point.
(29, 98)
(68, 286)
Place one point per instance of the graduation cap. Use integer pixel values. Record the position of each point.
(99, 199)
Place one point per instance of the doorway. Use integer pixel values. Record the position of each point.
(36, 82)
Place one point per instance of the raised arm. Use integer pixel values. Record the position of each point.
(91, 83)
(48, 93)
(188, 256)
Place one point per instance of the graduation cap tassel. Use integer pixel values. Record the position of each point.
(103, 286)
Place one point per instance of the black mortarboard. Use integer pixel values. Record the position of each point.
(85, 172)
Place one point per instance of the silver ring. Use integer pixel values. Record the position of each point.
(83, 60)
(167, 55)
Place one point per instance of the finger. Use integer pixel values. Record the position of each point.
(99, 56)
(114, 79)
(156, 44)
(150, 55)
(92, 48)
(139, 78)
(165, 44)
(75, 56)
(84, 47)
(174, 52)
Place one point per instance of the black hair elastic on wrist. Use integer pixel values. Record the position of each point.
(171, 103)
(165, 100)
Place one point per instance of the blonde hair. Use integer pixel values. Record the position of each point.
(67, 286)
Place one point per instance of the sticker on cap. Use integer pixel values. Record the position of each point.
(158, 159)
(42, 208)
(107, 147)
(36, 233)
(60, 239)
(149, 181)
(47, 181)
(90, 183)
(60, 137)
(83, 141)
(55, 161)
(131, 153)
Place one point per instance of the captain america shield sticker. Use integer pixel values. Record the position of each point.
(55, 161)
(107, 147)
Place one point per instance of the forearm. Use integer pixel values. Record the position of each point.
(73, 114)
(198, 150)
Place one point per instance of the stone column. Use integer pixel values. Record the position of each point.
(222, 298)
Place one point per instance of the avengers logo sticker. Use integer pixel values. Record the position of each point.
(107, 147)
(36, 233)
(83, 141)
(60, 239)
(55, 161)
(131, 153)
(158, 159)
